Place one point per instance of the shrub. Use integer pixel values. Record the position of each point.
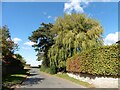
(53, 69)
(97, 61)
(45, 69)
(42, 68)
(11, 65)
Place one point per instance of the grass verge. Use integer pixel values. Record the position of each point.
(14, 79)
(65, 76)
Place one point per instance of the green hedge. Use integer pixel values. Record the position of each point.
(98, 61)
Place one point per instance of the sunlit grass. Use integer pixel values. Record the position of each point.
(14, 79)
(18, 75)
(65, 76)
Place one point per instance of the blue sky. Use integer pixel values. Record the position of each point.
(24, 17)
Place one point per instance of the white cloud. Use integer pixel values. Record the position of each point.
(55, 18)
(26, 48)
(29, 43)
(16, 40)
(44, 13)
(49, 16)
(79, 5)
(75, 5)
(111, 38)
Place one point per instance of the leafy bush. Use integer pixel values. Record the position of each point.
(11, 65)
(21, 59)
(45, 69)
(97, 61)
(53, 69)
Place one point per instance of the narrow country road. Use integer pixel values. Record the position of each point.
(38, 79)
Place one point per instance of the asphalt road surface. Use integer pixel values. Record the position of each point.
(38, 79)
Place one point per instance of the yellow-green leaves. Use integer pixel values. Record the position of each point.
(97, 61)
(74, 33)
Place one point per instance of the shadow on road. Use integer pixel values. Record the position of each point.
(32, 81)
(33, 74)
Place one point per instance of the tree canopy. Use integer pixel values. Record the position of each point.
(7, 45)
(74, 33)
(43, 39)
(69, 35)
(8, 58)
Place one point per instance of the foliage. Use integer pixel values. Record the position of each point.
(68, 36)
(6, 44)
(7, 47)
(97, 61)
(50, 70)
(19, 57)
(43, 39)
(53, 69)
(13, 79)
(73, 34)
(45, 69)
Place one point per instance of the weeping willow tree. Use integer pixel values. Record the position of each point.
(73, 34)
